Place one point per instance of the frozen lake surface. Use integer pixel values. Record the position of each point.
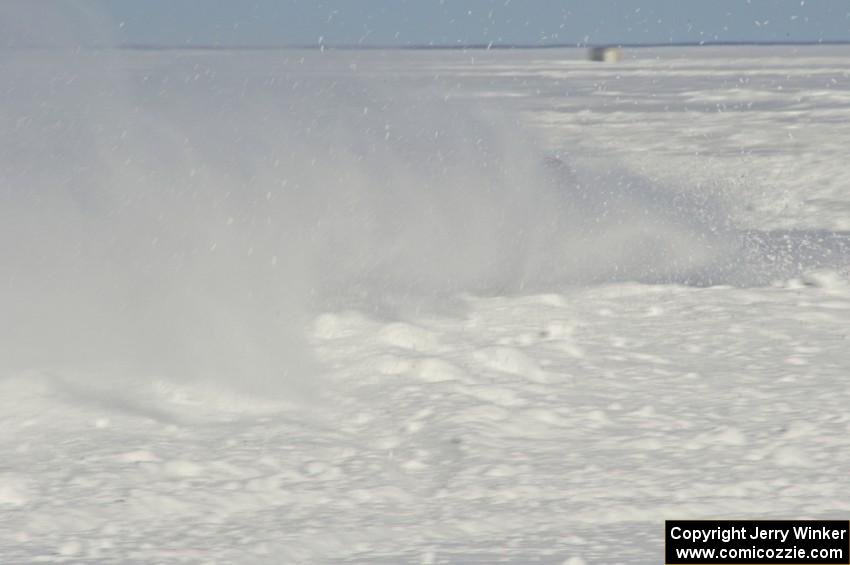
(505, 306)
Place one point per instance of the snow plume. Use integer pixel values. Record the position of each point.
(69, 24)
(186, 215)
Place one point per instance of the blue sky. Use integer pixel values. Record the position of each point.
(424, 22)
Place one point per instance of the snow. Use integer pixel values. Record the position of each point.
(430, 358)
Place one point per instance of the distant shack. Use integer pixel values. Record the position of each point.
(605, 54)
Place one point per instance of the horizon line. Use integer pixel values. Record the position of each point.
(433, 47)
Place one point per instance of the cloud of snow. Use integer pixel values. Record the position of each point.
(191, 221)
(185, 216)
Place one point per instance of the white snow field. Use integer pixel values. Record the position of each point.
(418, 307)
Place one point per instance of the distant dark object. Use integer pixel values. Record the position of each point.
(605, 54)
